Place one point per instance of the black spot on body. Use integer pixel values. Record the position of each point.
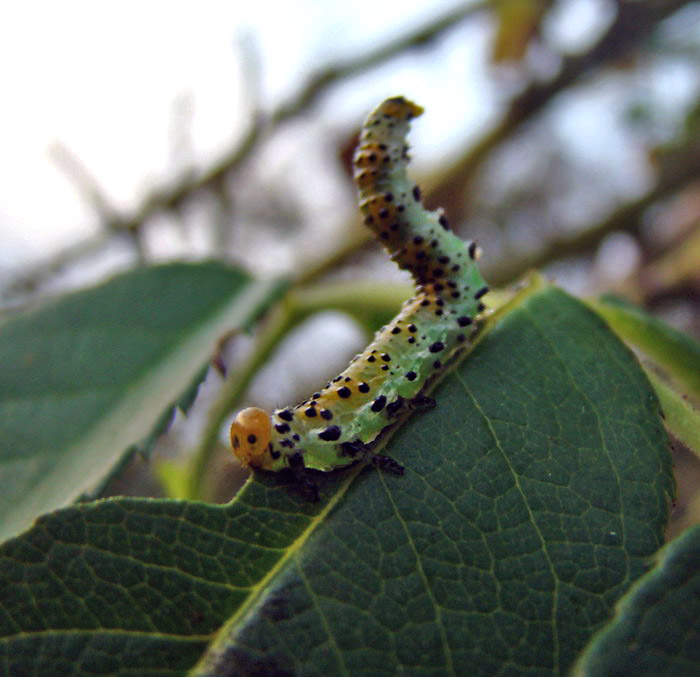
(330, 434)
(481, 292)
(363, 387)
(464, 321)
(344, 392)
(285, 415)
(282, 427)
(379, 403)
(310, 412)
(326, 414)
(411, 375)
(436, 347)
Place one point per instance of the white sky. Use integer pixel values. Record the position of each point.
(103, 77)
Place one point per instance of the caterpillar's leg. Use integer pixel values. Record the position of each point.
(354, 448)
(307, 487)
(422, 403)
(386, 464)
(396, 407)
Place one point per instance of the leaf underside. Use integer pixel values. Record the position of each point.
(533, 495)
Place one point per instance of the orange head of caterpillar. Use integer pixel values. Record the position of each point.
(250, 436)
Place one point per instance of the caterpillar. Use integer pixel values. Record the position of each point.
(337, 425)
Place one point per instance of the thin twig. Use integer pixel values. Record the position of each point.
(633, 24)
(626, 217)
(172, 196)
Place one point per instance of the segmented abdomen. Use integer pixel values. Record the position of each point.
(329, 429)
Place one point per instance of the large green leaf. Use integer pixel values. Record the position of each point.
(533, 495)
(656, 630)
(86, 377)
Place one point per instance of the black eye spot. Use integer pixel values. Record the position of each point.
(330, 434)
(436, 347)
(379, 403)
(252, 439)
(344, 392)
(282, 427)
(326, 414)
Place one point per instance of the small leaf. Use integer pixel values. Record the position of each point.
(674, 351)
(655, 631)
(85, 378)
(680, 417)
(534, 494)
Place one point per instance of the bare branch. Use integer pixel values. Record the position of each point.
(633, 24)
(627, 217)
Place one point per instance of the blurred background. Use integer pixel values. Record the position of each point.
(562, 134)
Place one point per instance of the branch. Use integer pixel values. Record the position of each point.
(172, 196)
(634, 23)
(627, 218)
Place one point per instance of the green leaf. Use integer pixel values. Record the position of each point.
(676, 352)
(681, 418)
(533, 495)
(655, 631)
(87, 377)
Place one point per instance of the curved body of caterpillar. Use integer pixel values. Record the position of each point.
(334, 427)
